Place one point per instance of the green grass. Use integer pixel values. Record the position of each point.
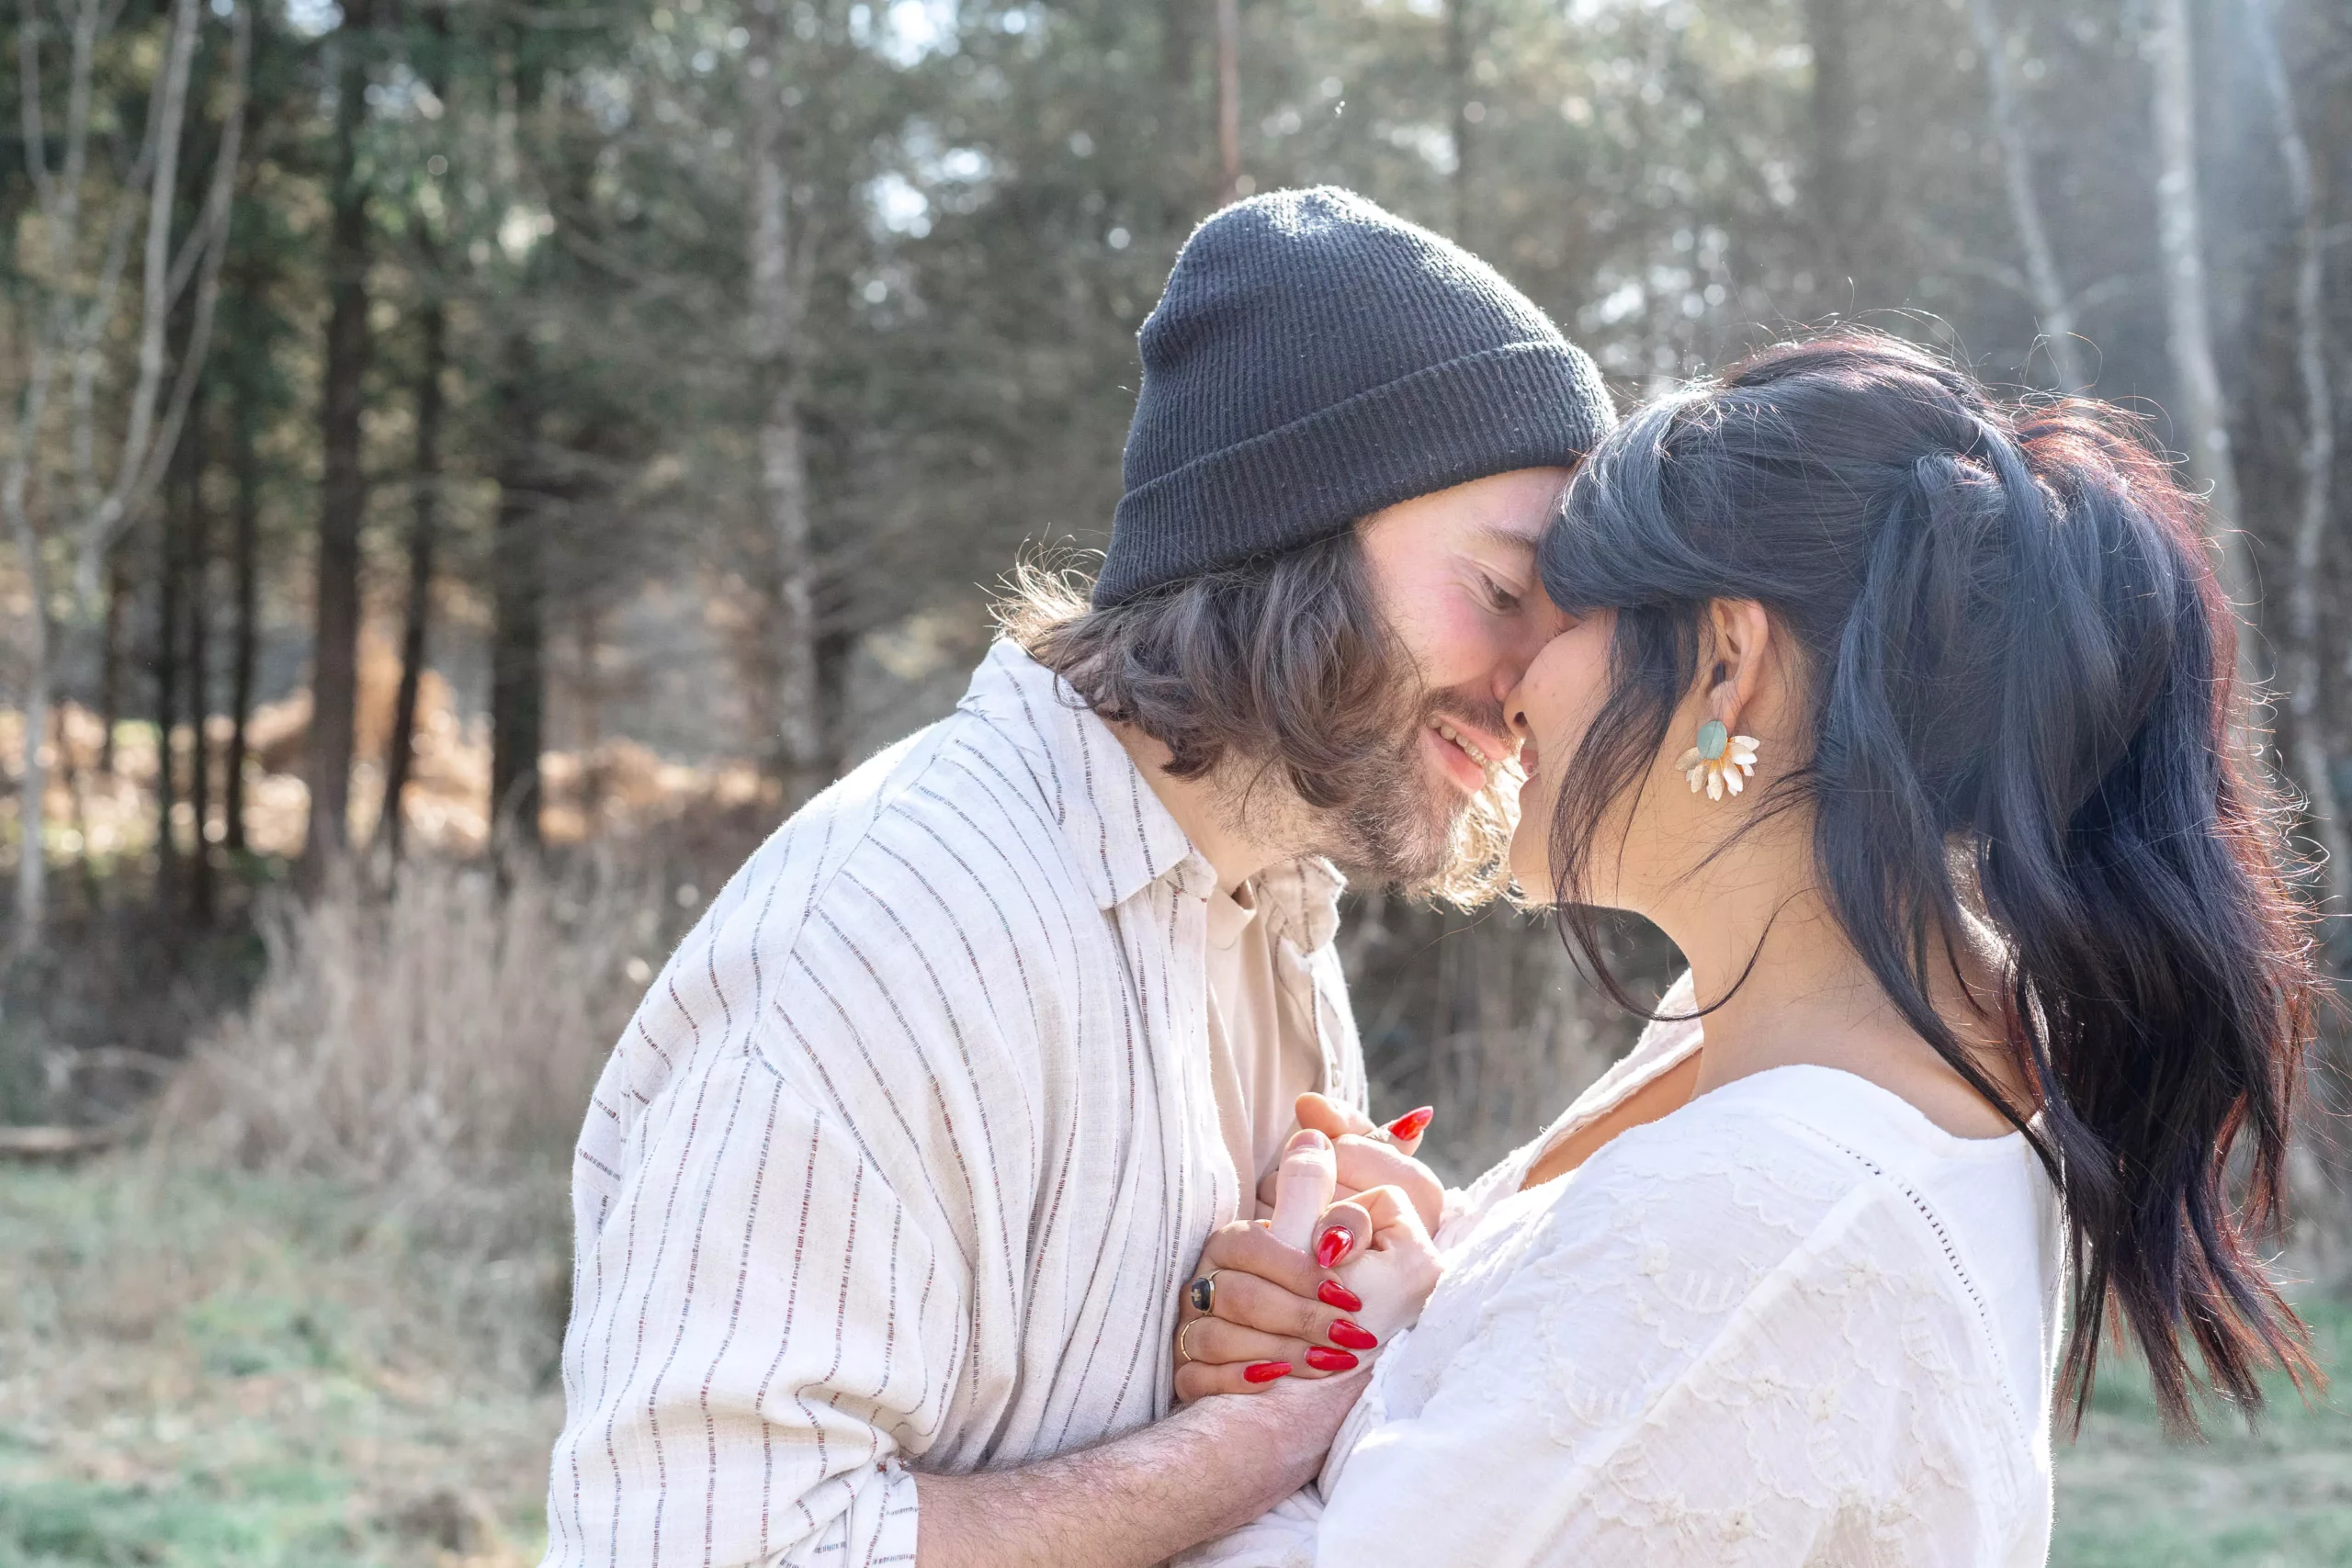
(209, 1372)
(266, 1519)
(2280, 1496)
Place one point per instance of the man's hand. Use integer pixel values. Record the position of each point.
(1369, 1155)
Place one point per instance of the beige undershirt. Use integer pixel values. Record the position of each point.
(1258, 1065)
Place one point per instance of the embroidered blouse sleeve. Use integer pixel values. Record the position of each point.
(1719, 1349)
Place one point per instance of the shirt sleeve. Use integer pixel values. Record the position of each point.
(760, 1328)
(1741, 1366)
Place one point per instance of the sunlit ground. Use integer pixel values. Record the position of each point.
(210, 1371)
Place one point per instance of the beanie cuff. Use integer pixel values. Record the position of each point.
(1523, 405)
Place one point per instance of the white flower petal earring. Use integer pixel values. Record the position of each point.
(1720, 762)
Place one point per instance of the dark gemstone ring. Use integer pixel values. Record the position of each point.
(1203, 1293)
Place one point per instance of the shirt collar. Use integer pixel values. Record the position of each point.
(1121, 837)
(1300, 899)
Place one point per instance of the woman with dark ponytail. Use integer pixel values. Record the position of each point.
(1911, 716)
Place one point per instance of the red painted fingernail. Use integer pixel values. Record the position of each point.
(1333, 1246)
(1408, 1127)
(1354, 1335)
(1267, 1371)
(1324, 1361)
(1332, 1293)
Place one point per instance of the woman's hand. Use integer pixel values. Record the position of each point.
(1384, 1255)
(1369, 1155)
(1273, 1312)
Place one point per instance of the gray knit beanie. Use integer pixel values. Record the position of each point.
(1315, 359)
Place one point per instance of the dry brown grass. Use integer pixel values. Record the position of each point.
(315, 1318)
(434, 1044)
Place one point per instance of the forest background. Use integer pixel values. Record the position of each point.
(469, 466)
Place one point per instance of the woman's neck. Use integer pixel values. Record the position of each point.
(1809, 999)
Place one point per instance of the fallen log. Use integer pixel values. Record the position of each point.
(56, 1142)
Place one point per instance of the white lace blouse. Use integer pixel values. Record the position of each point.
(1792, 1322)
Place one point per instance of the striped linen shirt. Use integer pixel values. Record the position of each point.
(908, 1150)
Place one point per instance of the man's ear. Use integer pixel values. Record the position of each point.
(1742, 644)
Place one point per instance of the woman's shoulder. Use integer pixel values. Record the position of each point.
(1766, 1217)
(1774, 1171)
(1757, 1126)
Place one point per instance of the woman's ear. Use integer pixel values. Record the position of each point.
(1743, 636)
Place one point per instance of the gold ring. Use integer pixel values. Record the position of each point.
(1203, 1292)
(1183, 1354)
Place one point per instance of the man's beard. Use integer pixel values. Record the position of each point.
(1419, 834)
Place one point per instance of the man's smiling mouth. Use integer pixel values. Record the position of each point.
(1481, 752)
(1476, 753)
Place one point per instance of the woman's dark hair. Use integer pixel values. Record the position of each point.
(2020, 681)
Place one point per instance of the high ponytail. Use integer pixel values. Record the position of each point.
(2023, 704)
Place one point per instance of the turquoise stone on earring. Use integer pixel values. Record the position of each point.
(1712, 738)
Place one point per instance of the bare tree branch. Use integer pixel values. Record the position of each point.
(210, 242)
(2301, 664)
(2047, 292)
(2204, 423)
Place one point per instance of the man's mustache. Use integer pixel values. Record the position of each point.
(1485, 716)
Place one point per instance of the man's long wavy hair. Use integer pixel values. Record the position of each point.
(1283, 661)
(2022, 706)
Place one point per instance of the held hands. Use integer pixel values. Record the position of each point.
(1304, 1291)
(1369, 1155)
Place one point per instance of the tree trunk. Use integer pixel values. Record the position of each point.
(1829, 31)
(423, 523)
(110, 663)
(172, 524)
(1183, 177)
(588, 692)
(2053, 309)
(1178, 45)
(2300, 660)
(200, 693)
(778, 308)
(518, 635)
(431, 64)
(1466, 109)
(2197, 405)
(343, 490)
(69, 328)
(247, 459)
(1228, 96)
(32, 856)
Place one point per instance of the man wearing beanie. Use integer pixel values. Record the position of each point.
(889, 1197)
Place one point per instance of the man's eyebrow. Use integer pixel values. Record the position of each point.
(1504, 539)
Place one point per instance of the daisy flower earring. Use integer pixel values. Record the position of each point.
(1720, 762)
